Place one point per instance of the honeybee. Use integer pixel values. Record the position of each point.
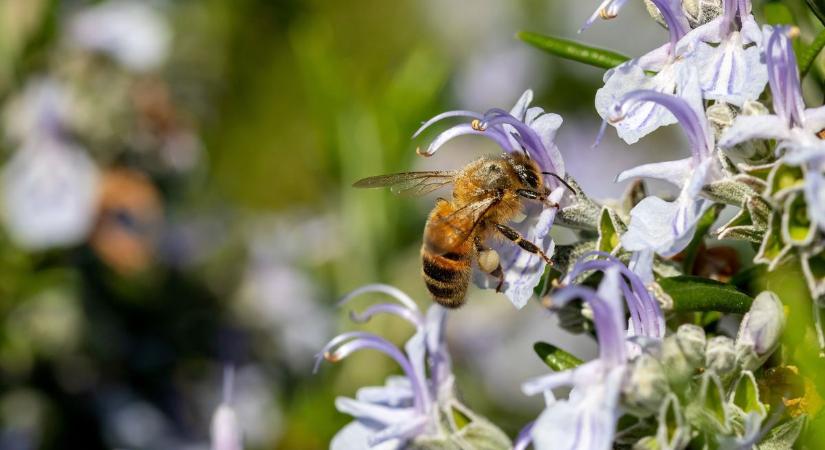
(487, 194)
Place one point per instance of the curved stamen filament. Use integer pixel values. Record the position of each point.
(385, 308)
(445, 115)
(348, 343)
(392, 291)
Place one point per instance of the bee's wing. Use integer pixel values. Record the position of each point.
(409, 183)
(463, 221)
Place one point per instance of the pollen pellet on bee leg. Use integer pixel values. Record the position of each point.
(488, 260)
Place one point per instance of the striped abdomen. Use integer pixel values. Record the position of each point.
(446, 254)
(446, 276)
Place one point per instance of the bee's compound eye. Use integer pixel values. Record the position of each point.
(488, 260)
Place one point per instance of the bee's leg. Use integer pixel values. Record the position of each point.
(536, 195)
(489, 262)
(517, 239)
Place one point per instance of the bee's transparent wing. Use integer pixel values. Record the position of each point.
(409, 183)
(463, 221)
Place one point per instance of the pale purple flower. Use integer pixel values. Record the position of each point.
(726, 51)
(673, 66)
(586, 420)
(533, 131)
(131, 32)
(405, 407)
(794, 127)
(50, 184)
(729, 53)
(658, 226)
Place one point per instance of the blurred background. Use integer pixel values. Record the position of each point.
(176, 199)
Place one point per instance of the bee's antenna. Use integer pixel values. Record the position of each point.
(561, 180)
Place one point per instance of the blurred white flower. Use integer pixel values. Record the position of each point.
(49, 193)
(41, 109)
(131, 32)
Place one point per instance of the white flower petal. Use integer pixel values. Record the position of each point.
(520, 108)
(396, 392)
(746, 128)
(379, 414)
(664, 227)
(587, 421)
(399, 431)
(645, 117)
(674, 172)
(131, 32)
(355, 436)
(729, 72)
(49, 195)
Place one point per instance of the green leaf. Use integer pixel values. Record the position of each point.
(818, 7)
(713, 414)
(797, 227)
(610, 226)
(702, 294)
(556, 358)
(806, 59)
(784, 436)
(576, 51)
(745, 395)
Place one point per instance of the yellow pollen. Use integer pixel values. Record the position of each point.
(478, 125)
(606, 15)
(793, 32)
(331, 357)
(422, 153)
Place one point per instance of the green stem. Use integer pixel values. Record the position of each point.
(808, 56)
(564, 48)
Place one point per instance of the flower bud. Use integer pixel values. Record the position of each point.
(645, 387)
(697, 12)
(720, 117)
(760, 331)
(683, 353)
(720, 357)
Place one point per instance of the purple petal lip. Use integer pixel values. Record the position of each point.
(783, 77)
(701, 142)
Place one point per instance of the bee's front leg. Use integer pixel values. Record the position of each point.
(517, 239)
(489, 262)
(536, 195)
